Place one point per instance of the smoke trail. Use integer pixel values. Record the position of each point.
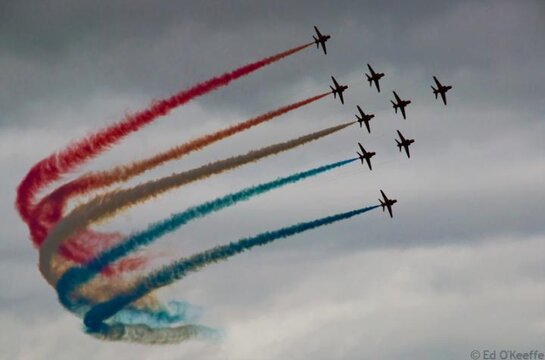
(174, 312)
(105, 206)
(144, 334)
(52, 167)
(76, 276)
(50, 209)
(89, 243)
(94, 319)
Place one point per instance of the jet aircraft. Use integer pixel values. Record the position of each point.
(374, 77)
(405, 143)
(364, 118)
(400, 104)
(441, 89)
(387, 203)
(366, 155)
(338, 89)
(320, 39)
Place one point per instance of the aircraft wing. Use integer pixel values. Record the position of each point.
(407, 151)
(437, 82)
(390, 210)
(444, 97)
(367, 126)
(317, 32)
(323, 47)
(377, 84)
(398, 100)
(384, 195)
(341, 97)
(360, 110)
(402, 108)
(335, 82)
(369, 163)
(361, 148)
(401, 136)
(371, 69)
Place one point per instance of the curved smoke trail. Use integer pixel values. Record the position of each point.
(51, 208)
(76, 276)
(96, 318)
(55, 165)
(133, 313)
(103, 207)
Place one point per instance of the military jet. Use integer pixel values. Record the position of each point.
(387, 203)
(339, 89)
(364, 119)
(400, 104)
(366, 155)
(405, 143)
(374, 77)
(441, 89)
(320, 39)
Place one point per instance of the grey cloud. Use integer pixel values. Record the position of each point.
(117, 48)
(460, 266)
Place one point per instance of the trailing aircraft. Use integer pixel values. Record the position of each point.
(338, 89)
(374, 77)
(400, 104)
(441, 89)
(364, 118)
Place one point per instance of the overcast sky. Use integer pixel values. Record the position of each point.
(460, 267)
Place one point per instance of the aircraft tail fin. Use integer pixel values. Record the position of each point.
(369, 79)
(435, 91)
(333, 91)
(316, 41)
(395, 106)
(382, 204)
(361, 157)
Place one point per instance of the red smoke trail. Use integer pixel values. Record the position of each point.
(52, 167)
(87, 244)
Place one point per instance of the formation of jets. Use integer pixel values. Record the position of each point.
(374, 77)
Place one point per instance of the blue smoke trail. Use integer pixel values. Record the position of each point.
(94, 319)
(175, 312)
(76, 276)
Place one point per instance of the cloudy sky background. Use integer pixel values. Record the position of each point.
(461, 265)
